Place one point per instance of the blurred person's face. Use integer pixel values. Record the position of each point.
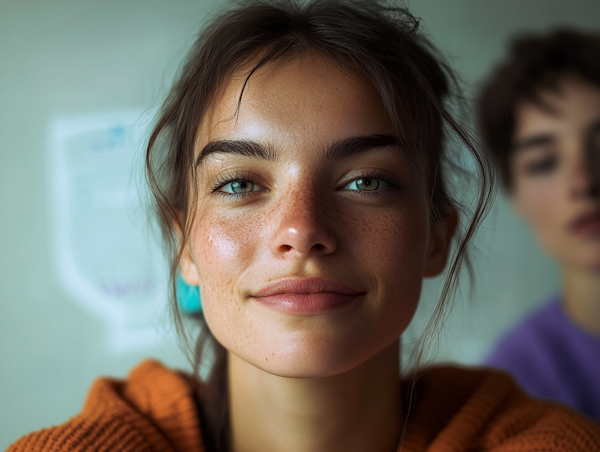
(555, 167)
(312, 232)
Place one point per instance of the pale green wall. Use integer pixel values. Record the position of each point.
(76, 58)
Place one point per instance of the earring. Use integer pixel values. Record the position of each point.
(188, 297)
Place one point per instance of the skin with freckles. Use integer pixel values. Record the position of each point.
(556, 189)
(308, 181)
(305, 222)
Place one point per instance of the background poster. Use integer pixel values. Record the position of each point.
(105, 253)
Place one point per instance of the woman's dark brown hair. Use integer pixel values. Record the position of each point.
(535, 63)
(380, 41)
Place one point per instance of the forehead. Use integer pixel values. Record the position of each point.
(571, 106)
(302, 100)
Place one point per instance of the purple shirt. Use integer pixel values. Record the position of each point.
(553, 359)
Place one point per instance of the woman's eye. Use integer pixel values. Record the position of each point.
(365, 184)
(238, 187)
(542, 166)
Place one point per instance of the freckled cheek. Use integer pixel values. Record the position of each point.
(391, 243)
(392, 251)
(223, 250)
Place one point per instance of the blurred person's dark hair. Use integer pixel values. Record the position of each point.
(535, 63)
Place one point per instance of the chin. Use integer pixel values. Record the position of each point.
(588, 263)
(592, 265)
(311, 357)
(589, 256)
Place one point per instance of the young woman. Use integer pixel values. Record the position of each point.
(540, 115)
(297, 168)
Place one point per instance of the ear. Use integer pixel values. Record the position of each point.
(187, 265)
(439, 244)
(513, 192)
(517, 204)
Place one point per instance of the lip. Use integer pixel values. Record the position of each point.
(586, 225)
(306, 295)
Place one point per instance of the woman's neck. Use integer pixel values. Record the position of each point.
(581, 299)
(355, 411)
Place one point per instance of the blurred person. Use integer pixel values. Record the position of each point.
(297, 168)
(539, 116)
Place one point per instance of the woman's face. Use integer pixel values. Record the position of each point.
(555, 165)
(312, 233)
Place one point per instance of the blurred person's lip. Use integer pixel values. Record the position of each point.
(306, 295)
(586, 225)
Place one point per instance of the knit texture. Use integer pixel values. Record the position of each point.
(453, 410)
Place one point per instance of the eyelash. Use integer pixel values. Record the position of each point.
(541, 166)
(227, 178)
(391, 185)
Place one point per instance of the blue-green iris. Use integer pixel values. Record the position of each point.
(364, 184)
(242, 186)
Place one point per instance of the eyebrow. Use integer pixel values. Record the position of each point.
(245, 148)
(547, 139)
(351, 146)
(533, 142)
(335, 151)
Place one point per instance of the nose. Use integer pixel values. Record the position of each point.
(585, 177)
(592, 157)
(300, 226)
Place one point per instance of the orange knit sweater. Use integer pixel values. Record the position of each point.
(454, 410)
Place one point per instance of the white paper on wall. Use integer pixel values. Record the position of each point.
(106, 257)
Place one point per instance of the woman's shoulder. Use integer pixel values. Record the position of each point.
(154, 409)
(485, 410)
